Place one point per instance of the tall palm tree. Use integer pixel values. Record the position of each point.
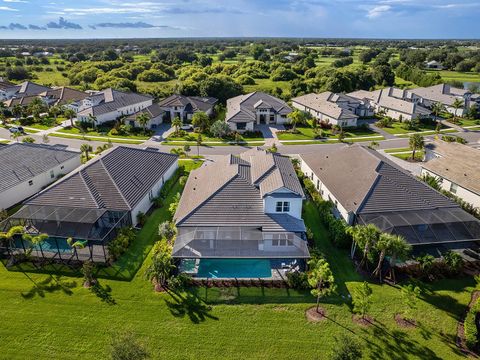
(399, 249)
(416, 142)
(55, 111)
(143, 120)
(390, 245)
(365, 237)
(457, 104)
(296, 117)
(17, 111)
(176, 123)
(70, 114)
(437, 109)
(92, 119)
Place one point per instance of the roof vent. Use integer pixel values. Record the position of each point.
(194, 189)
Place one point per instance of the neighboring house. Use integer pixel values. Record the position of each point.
(393, 103)
(28, 168)
(24, 89)
(4, 85)
(185, 106)
(242, 207)
(92, 203)
(154, 112)
(446, 95)
(336, 109)
(433, 65)
(110, 104)
(367, 188)
(457, 168)
(62, 96)
(246, 111)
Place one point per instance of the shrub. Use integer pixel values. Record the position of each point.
(298, 280)
(120, 244)
(180, 282)
(346, 348)
(125, 346)
(470, 326)
(167, 230)
(141, 218)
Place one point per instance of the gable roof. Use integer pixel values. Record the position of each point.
(197, 103)
(28, 88)
(22, 161)
(113, 100)
(457, 163)
(242, 108)
(364, 181)
(63, 95)
(442, 93)
(230, 191)
(115, 180)
(153, 111)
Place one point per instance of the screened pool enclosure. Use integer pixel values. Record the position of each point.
(73, 233)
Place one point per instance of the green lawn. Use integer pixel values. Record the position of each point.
(333, 140)
(458, 76)
(96, 138)
(307, 133)
(74, 130)
(408, 156)
(398, 128)
(51, 317)
(268, 85)
(191, 137)
(469, 122)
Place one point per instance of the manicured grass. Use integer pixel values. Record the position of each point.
(458, 76)
(394, 150)
(469, 122)
(398, 128)
(268, 85)
(2, 141)
(307, 133)
(408, 156)
(74, 130)
(333, 140)
(51, 317)
(96, 138)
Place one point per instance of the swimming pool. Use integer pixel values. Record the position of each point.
(234, 268)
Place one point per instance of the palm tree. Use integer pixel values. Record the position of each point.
(45, 139)
(320, 278)
(437, 109)
(159, 270)
(17, 111)
(70, 114)
(86, 149)
(8, 236)
(143, 120)
(92, 119)
(199, 143)
(457, 104)
(35, 241)
(365, 237)
(296, 117)
(416, 142)
(55, 111)
(391, 245)
(76, 245)
(176, 122)
(374, 144)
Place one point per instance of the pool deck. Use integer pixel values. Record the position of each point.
(277, 275)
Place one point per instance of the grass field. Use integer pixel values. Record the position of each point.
(398, 128)
(308, 133)
(458, 76)
(50, 317)
(96, 138)
(76, 131)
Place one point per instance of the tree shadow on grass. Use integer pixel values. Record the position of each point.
(188, 304)
(49, 285)
(103, 293)
(396, 345)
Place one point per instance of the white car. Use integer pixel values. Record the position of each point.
(186, 127)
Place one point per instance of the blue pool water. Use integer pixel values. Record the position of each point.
(234, 268)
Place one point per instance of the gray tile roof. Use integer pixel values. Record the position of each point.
(115, 180)
(230, 192)
(457, 163)
(363, 181)
(113, 100)
(242, 108)
(196, 103)
(152, 111)
(64, 95)
(325, 103)
(21, 162)
(442, 93)
(28, 88)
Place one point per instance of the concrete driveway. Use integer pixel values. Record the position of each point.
(269, 132)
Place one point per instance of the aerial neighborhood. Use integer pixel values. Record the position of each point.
(324, 187)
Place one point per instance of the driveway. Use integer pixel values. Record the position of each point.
(269, 132)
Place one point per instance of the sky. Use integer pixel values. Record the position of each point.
(417, 19)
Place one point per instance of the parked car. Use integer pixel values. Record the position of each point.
(186, 127)
(16, 129)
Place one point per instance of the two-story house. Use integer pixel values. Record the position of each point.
(184, 107)
(110, 104)
(246, 207)
(246, 111)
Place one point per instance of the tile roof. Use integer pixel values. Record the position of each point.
(457, 163)
(64, 95)
(196, 103)
(325, 103)
(242, 108)
(22, 161)
(442, 93)
(113, 100)
(230, 191)
(153, 111)
(28, 88)
(363, 181)
(115, 180)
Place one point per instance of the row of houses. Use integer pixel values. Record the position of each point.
(244, 207)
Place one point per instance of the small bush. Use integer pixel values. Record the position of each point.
(298, 280)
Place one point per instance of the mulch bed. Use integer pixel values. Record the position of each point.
(315, 316)
(405, 323)
(460, 341)
(366, 321)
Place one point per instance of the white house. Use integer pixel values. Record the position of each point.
(246, 111)
(433, 65)
(184, 107)
(155, 114)
(457, 168)
(28, 168)
(110, 104)
(336, 109)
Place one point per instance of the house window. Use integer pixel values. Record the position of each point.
(30, 182)
(453, 188)
(52, 174)
(241, 126)
(282, 206)
(318, 184)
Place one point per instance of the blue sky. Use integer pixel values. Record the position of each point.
(277, 18)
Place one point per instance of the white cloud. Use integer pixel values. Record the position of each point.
(15, 1)
(378, 11)
(6, 8)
